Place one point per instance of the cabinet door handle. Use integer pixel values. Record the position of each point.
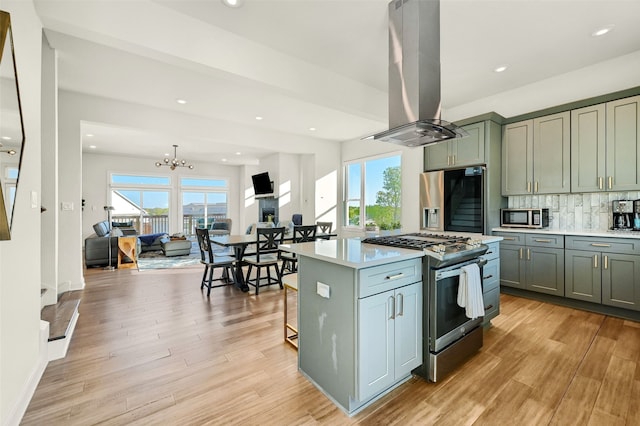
(595, 261)
(394, 276)
(400, 309)
(606, 262)
(486, 308)
(536, 186)
(487, 277)
(600, 182)
(600, 245)
(508, 238)
(391, 304)
(528, 254)
(528, 186)
(448, 160)
(610, 182)
(537, 240)
(453, 160)
(521, 253)
(489, 252)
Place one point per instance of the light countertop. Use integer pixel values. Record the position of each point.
(607, 234)
(353, 253)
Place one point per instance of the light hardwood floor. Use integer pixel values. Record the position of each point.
(150, 348)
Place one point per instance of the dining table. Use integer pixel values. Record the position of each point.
(239, 244)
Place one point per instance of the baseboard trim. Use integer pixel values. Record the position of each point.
(17, 412)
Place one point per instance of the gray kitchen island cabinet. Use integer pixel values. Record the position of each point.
(603, 270)
(359, 318)
(532, 262)
(536, 156)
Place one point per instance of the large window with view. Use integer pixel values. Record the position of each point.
(141, 202)
(203, 201)
(373, 192)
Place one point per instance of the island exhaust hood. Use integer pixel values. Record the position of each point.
(414, 76)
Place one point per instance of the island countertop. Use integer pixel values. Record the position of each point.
(351, 252)
(354, 253)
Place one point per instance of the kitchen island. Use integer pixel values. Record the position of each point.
(348, 347)
(360, 317)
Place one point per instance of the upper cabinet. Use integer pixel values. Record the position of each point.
(536, 156)
(456, 153)
(605, 148)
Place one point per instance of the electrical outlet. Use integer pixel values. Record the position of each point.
(323, 290)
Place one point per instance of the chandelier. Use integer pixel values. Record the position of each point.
(175, 162)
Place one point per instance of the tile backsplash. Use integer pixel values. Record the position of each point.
(575, 212)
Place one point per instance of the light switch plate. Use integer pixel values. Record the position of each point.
(34, 200)
(67, 205)
(323, 289)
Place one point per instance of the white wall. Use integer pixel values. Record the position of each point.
(412, 166)
(20, 364)
(95, 188)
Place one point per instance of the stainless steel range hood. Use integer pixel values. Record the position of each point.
(414, 76)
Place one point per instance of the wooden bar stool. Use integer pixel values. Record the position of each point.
(290, 332)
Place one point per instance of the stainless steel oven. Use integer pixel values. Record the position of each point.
(453, 337)
(450, 338)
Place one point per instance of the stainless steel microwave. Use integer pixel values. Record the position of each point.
(524, 218)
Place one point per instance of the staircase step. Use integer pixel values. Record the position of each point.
(60, 315)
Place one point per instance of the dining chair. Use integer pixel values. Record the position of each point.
(301, 234)
(211, 262)
(266, 257)
(324, 228)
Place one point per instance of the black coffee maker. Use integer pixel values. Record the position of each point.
(623, 214)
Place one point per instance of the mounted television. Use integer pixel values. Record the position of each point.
(262, 185)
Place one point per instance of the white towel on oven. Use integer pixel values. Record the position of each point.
(470, 291)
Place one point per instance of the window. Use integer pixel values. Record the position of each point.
(373, 192)
(203, 201)
(142, 202)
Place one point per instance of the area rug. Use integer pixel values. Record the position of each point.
(157, 260)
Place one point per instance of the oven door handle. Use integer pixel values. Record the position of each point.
(458, 269)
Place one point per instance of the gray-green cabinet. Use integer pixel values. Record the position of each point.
(491, 282)
(605, 146)
(532, 262)
(360, 329)
(456, 153)
(536, 156)
(603, 270)
(389, 338)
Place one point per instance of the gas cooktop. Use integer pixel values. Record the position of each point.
(444, 248)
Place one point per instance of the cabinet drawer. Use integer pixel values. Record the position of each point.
(493, 252)
(511, 237)
(544, 240)
(606, 245)
(491, 275)
(491, 303)
(387, 277)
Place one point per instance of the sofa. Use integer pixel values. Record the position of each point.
(96, 247)
(220, 227)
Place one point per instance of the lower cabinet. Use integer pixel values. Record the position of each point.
(389, 338)
(533, 262)
(491, 282)
(603, 270)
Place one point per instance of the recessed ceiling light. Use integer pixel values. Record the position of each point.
(6, 138)
(602, 31)
(233, 3)
(500, 68)
(313, 129)
(258, 118)
(224, 160)
(238, 153)
(92, 146)
(89, 135)
(181, 101)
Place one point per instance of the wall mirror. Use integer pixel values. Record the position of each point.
(11, 127)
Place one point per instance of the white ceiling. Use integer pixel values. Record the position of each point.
(306, 63)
